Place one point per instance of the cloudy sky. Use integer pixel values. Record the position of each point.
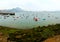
(31, 5)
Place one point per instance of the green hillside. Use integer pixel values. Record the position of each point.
(36, 34)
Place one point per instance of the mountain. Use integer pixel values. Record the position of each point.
(17, 9)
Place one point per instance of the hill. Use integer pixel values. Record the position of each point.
(37, 34)
(17, 9)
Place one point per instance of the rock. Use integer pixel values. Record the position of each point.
(53, 39)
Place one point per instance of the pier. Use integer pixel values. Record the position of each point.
(6, 13)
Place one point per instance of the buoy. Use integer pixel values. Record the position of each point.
(4, 17)
(7, 16)
(44, 19)
(56, 17)
(17, 17)
(36, 19)
(48, 16)
(27, 17)
(13, 17)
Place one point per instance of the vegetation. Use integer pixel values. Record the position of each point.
(36, 34)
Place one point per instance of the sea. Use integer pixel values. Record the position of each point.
(25, 20)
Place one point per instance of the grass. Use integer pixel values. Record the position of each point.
(36, 34)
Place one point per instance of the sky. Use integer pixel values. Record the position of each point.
(31, 5)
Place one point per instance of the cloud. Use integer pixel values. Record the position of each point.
(34, 5)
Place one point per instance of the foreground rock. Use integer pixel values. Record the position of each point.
(2, 37)
(53, 39)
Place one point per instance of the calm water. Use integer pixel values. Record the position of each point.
(25, 19)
